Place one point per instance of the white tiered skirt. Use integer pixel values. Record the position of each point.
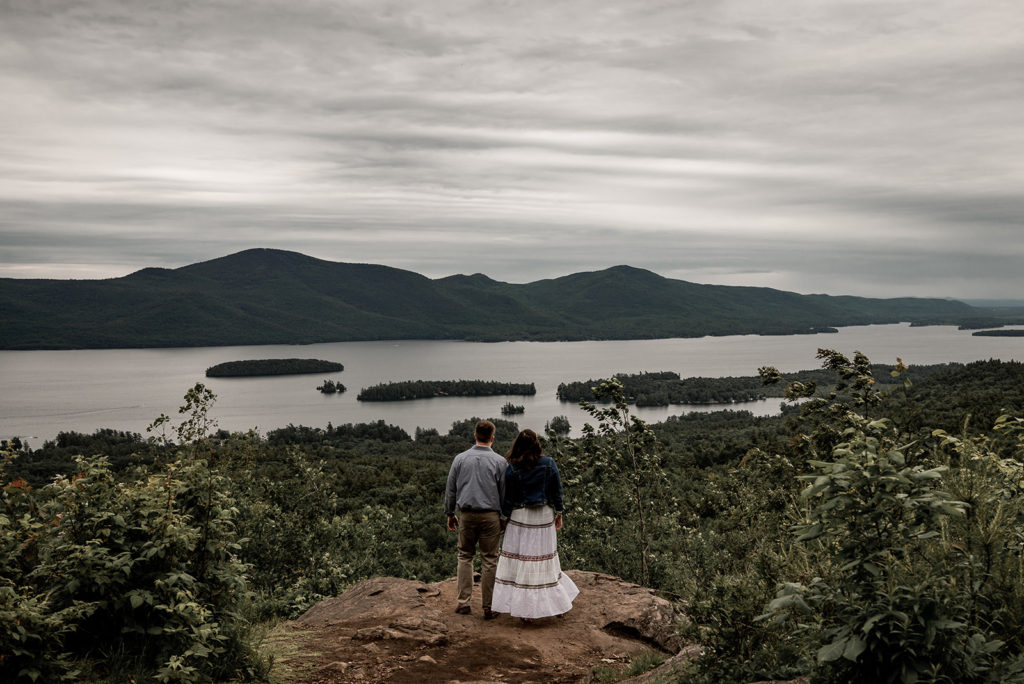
(529, 581)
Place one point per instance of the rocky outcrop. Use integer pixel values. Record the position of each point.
(377, 599)
(415, 629)
(393, 630)
(631, 611)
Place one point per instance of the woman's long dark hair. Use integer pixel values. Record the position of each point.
(525, 450)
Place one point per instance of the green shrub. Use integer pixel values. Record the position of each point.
(32, 631)
(898, 600)
(139, 573)
(621, 514)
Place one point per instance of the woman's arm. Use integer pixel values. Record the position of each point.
(554, 493)
(511, 491)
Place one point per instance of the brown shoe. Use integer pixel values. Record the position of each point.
(463, 610)
(490, 614)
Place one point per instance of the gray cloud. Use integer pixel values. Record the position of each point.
(853, 147)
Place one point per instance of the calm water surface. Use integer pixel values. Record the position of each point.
(45, 392)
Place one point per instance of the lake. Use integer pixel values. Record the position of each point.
(45, 392)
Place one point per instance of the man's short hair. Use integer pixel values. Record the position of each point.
(484, 431)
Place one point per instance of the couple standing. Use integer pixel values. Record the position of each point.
(521, 496)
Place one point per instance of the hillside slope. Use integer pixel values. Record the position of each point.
(264, 296)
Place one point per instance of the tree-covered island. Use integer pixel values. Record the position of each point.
(510, 409)
(331, 387)
(426, 389)
(258, 367)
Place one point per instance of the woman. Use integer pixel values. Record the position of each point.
(530, 583)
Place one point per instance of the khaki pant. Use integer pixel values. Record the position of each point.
(483, 529)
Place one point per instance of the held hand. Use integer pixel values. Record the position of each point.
(558, 521)
(504, 524)
(453, 523)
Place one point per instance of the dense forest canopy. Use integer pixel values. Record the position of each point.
(905, 493)
(264, 296)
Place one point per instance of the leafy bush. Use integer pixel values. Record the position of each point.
(624, 514)
(141, 574)
(900, 599)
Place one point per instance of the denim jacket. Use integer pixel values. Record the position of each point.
(534, 486)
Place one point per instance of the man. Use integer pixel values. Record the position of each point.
(476, 485)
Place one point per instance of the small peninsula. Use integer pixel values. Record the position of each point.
(1010, 332)
(665, 388)
(260, 367)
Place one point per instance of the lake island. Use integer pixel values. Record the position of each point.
(262, 367)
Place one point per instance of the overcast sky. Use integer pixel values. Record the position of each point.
(872, 148)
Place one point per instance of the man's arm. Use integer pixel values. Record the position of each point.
(502, 482)
(507, 491)
(451, 490)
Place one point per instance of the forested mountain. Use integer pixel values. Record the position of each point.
(264, 296)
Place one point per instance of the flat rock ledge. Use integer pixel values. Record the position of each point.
(393, 630)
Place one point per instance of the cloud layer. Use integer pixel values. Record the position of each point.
(862, 147)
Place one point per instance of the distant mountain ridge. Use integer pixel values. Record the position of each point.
(268, 296)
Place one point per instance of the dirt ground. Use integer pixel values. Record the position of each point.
(403, 632)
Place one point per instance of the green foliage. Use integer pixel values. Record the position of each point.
(347, 435)
(739, 647)
(911, 560)
(324, 508)
(558, 426)
(664, 388)
(97, 567)
(258, 367)
(625, 508)
(286, 508)
(989, 538)
(645, 662)
(733, 553)
(32, 628)
(462, 433)
(976, 394)
(425, 389)
(900, 596)
(123, 449)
